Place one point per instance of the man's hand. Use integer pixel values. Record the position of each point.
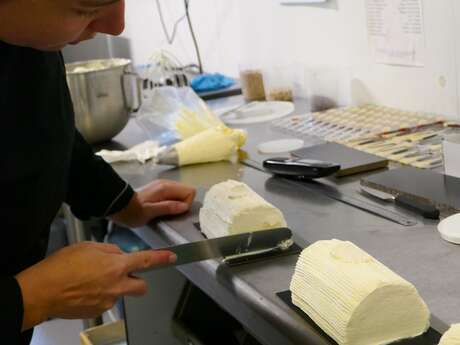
(83, 280)
(159, 198)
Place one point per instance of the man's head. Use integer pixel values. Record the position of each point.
(52, 24)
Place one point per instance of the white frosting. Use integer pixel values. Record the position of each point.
(232, 207)
(95, 65)
(212, 145)
(354, 298)
(452, 336)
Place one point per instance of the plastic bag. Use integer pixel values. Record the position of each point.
(164, 106)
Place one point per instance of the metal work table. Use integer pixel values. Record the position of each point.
(248, 292)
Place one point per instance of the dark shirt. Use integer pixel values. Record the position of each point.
(44, 162)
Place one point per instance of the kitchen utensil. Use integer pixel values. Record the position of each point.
(334, 194)
(307, 168)
(234, 109)
(369, 128)
(426, 210)
(103, 93)
(238, 260)
(246, 244)
(427, 186)
(362, 205)
(258, 112)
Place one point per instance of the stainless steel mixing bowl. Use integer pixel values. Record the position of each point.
(103, 93)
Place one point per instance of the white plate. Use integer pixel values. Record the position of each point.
(280, 146)
(256, 112)
(449, 228)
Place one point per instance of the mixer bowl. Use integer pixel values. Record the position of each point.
(101, 92)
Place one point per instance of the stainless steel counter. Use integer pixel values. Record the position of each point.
(248, 292)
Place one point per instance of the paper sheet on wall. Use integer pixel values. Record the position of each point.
(396, 32)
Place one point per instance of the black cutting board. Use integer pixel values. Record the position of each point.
(430, 337)
(351, 161)
(422, 184)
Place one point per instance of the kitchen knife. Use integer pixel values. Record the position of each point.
(250, 243)
(424, 209)
(335, 194)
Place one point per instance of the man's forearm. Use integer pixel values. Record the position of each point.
(34, 302)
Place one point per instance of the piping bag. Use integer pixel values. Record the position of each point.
(205, 139)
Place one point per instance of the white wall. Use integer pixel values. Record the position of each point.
(234, 31)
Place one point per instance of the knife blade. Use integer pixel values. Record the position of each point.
(426, 210)
(250, 243)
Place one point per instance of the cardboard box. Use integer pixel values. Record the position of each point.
(109, 334)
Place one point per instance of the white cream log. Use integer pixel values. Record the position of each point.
(232, 207)
(354, 298)
(452, 336)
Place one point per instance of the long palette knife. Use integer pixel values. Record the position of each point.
(227, 247)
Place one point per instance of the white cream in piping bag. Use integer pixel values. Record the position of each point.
(211, 145)
(205, 138)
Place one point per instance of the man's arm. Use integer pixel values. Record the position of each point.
(79, 281)
(95, 189)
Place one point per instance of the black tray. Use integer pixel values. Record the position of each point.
(293, 250)
(430, 337)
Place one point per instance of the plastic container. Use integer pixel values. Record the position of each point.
(252, 83)
(451, 155)
(327, 87)
(280, 83)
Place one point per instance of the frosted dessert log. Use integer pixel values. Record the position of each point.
(354, 298)
(452, 336)
(232, 207)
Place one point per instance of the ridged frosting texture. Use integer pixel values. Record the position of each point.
(354, 298)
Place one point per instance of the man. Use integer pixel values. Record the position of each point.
(45, 162)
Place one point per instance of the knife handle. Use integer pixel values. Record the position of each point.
(426, 210)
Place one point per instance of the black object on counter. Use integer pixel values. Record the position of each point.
(427, 186)
(424, 209)
(211, 325)
(307, 168)
(430, 337)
